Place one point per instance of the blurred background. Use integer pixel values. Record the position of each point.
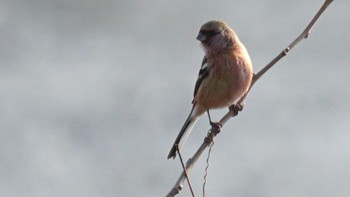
(93, 94)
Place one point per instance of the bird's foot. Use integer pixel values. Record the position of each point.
(236, 108)
(215, 127)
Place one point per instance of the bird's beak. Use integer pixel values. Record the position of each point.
(201, 37)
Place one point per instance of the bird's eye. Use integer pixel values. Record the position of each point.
(209, 32)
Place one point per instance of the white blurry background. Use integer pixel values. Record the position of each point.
(93, 93)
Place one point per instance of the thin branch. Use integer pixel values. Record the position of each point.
(208, 140)
(185, 171)
(303, 35)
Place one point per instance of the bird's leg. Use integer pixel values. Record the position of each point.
(214, 125)
(235, 108)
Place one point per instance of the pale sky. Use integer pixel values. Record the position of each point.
(93, 94)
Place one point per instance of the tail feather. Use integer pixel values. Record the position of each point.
(184, 132)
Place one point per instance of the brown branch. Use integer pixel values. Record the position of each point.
(208, 140)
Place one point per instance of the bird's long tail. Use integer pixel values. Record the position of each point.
(184, 132)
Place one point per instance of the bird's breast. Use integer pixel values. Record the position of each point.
(228, 81)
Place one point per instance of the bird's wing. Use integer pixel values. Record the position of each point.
(203, 73)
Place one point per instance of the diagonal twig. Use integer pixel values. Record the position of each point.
(185, 171)
(190, 163)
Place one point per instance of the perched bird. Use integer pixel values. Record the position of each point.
(224, 77)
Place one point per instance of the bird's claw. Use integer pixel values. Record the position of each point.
(236, 108)
(215, 127)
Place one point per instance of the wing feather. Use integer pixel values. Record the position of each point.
(203, 73)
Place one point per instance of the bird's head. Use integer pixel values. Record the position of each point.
(216, 36)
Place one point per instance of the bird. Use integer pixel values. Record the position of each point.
(224, 77)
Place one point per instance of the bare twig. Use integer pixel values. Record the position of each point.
(302, 36)
(185, 171)
(190, 163)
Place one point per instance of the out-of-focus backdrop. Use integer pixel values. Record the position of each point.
(93, 93)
